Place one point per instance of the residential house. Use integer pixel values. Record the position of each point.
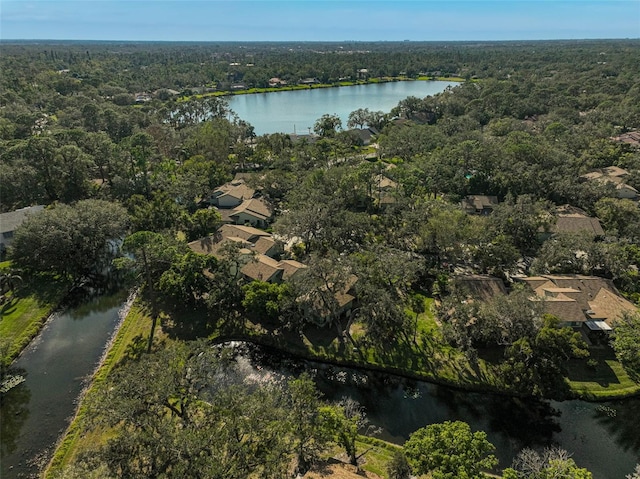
(383, 190)
(256, 248)
(570, 219)
(631, 138)
(479, 204)
(317, 305)
(577, 300)
(237, 203)
(364, 136)
(263, 268)
(10, 221)
(479, 286)
(254, 212)
(231, 194)
(290, 268)
(276, 82)
(616, 176)
(268, 246)
(247, 233)
(244, 236)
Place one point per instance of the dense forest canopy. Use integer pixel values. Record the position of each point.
(135, 134)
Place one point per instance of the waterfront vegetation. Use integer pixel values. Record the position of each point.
(126, 149)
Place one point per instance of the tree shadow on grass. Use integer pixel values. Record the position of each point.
(47, 289)
(579, 370)
(324, 338)
(188, 324)
(9, 307)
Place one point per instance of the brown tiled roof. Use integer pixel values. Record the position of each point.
(382, 182)
(535, 282)
(613, 174)
(615, 171)
(594, 297)
(248, 233)
(262, 268)
(236, 189)
(256, 207)
(610, 306)
(632, 137)
(477, 286)
(479, 202)
(565, 308)
(264, 245)
(209, 245)
(577, 223)
(290, 267)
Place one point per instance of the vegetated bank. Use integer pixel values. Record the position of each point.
(131, 343)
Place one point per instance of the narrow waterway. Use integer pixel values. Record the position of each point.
(56, 367)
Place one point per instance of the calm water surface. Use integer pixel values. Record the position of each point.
(297, 111)
(605, 441)
(56, 366)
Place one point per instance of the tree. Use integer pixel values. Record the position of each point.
(347, 420)
(450, 450)
(522, 219)
(626, 341)
(183, 412)
(385, 277)
(187, 281)
(201, 223)
(399, 467)
(76, 241)
(359, 118)
(151, 255)
(620, 217)
(265, 299)
(309, 428)
(320, 288)
(551, 464)
(535, 364)
(327, 125)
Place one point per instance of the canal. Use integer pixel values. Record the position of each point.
(57, 366)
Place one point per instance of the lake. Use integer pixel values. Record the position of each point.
(297, 111)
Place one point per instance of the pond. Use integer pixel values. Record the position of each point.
(297, 111)
(603, 437)
(56, 366)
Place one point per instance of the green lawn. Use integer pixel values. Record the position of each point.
(608, 379)
(24, 313)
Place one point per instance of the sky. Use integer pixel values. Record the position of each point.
(318, 20)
